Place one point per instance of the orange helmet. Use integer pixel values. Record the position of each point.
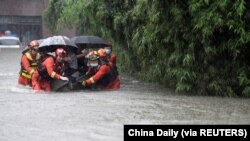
(102, 52)
(33, 44)
(93, 55)
(61, 52)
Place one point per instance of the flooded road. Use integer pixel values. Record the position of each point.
(100, 115)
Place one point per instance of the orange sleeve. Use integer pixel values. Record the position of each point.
(49, 64)
(26, 64)
(104, 69)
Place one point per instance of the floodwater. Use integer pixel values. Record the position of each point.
(100, 115)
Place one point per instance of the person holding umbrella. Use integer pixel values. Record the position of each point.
(29, 63)
(49, 68)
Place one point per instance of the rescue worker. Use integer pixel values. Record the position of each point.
(110, 55)
(91, 63)
(104, 75)
(29, 63)
(49, 68)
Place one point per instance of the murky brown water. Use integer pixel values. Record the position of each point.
(100, 115)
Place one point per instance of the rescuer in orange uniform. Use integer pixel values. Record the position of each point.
(49, 68)
(110, 55)
(29, 63)
(103, 74)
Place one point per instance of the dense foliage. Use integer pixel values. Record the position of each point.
(197, 46)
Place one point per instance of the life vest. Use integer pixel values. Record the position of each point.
(33, 65)
(42, 70)
(108, 78)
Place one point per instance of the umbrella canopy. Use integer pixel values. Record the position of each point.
(89, 40)
(50, 44)
(40, 41)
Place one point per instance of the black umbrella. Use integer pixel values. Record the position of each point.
(89, 41)
(50, 44)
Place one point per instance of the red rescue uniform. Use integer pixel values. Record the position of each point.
(28, 67)
(106, 77)
(112, 59)
(47, 71)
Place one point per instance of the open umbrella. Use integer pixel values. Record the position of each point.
(50, 44)
(40, 41)
(89, 41)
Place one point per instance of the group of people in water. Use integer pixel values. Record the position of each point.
(40, 68)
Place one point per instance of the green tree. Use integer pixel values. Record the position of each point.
(197, 46)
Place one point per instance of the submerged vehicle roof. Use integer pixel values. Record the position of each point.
(9, 42)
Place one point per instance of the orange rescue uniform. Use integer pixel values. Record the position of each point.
(106, 77)
(112, 59)
(42, 77)
(28, 67)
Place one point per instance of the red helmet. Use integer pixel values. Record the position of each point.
(61, 52)
(102, 52)
(33, 44)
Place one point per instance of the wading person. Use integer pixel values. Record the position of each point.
(49, 68)
(102, 73)
(29, 62)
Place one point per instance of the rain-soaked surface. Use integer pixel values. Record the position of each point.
(100, 115)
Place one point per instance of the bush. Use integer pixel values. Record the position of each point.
(197, 46)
